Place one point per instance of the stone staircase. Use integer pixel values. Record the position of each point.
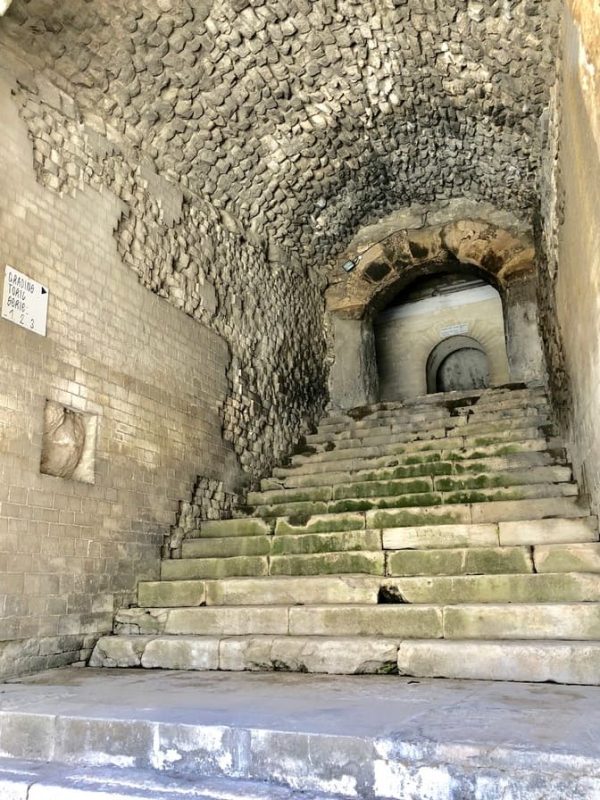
(444, 537)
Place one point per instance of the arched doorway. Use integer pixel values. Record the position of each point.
(458, 363)
(443, 332)
(374, 279)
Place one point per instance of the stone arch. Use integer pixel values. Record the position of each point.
(383, 268)
(370, 275)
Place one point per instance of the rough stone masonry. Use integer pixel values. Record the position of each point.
(238, 147)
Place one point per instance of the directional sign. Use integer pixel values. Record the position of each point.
(24, 301)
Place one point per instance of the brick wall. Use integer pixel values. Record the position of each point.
(69, 551)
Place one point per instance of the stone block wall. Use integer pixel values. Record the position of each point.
(570, 240)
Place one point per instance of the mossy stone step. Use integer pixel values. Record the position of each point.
(453, 428)
(401, 486)
(319, 523)
(311, 494)
(171, 594)
(460, 416)
(387, 447)
(423, 498)
(194, 568)
(489, 480)
(354, 562)
(460, 561)
(314, 543)
(518, 461)
(489, 588)
(245, 526)
(226, 547)
(494, 400)
(479, 513)
(420, 453)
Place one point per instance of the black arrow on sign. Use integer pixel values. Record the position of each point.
(44, 291)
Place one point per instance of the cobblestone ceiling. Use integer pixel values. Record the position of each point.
(307, 119)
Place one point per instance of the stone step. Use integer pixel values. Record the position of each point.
(30, 780)
(357, 562)
(479, 513)
(549, 620)
(493, 400)
(244, 526)
(569, 662)
(193, 568)
(518, 461)
(503, 534)
(431, 418)
(332, 563)
(488, 588)
(273, 590)
(418, 453)
(460, 561)
(226, 546)
(462, 423)
(415, 485)
(522, 585)
(405, 621)
(302, 544)
(284, 590)
(457, 441)
(357, 552)
(533, 523)
(384, 737)
(388, 483)
(449, 429)
(332, 655)
(315, 543)
(567, 558)
(421, 498)
(562, 545)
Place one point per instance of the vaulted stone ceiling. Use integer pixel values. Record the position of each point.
(307, 119)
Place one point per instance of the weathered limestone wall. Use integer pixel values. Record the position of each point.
(571, 298)
(198, 385)
(406, 335)
(72, 551)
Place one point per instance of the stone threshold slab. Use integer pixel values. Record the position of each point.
(30, 780)
(365, 737)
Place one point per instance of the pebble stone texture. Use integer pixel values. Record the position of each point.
(280, 127)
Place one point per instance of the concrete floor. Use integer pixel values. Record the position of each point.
(356, 736)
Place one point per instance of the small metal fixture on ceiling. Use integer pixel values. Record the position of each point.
(349, 265)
